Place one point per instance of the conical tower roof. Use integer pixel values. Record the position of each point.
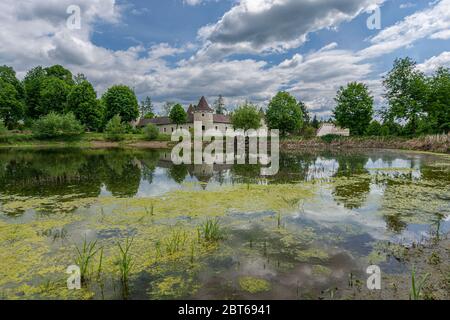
(203, 106)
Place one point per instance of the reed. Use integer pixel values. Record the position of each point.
(84, 258)
(125, 260)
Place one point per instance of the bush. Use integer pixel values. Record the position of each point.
(3, 129)
(309, 132)
(151, 132)
(56, 125)
(329, 138)
(115, 129)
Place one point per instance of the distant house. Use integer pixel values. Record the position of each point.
(202, 113)
(331, 129)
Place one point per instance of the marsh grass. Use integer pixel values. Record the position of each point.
(85, 257)
(211, 230)
(125, 260)
(416, 288)
(175, 242)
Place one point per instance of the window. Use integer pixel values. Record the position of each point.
(165, 129)
(172, 129)
(203, 128)
(203, 115)
(217, 128)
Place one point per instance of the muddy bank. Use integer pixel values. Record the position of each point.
(437, 143)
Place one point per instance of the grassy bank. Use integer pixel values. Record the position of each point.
(433, 143)
(24, 140)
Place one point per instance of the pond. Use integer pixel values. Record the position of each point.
(211, 232)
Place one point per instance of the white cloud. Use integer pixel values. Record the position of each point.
(256, 26)
(432, 64)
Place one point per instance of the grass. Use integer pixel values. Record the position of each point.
(211, 231)
(125, 260)
(85, 257)
(176, 242)
(416, 288)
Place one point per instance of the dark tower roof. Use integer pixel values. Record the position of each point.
(203, 106)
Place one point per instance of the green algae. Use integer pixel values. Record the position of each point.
(254, 285)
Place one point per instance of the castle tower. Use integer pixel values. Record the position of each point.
(205, 114)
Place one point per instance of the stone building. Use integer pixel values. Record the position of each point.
(202, 113)
(331, 129)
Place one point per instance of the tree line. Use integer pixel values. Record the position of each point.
(54, 90)
(415, 104)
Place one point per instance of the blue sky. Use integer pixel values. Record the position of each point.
(179, 50)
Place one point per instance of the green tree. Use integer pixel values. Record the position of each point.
(178, 115)
(315, 123)
(284, 113)
(115, 129)
(354, 108)
(246, 117)
(54, 92)
(146, 108)
(32, 85)
(121, 100)
(82, 101)
(8, 75)
(11, 106)
(374, 129)
(306, 115)
(219, 105)
(61, 73)
(438, 107)
(406, 93)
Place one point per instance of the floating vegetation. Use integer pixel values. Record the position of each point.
(254, 285)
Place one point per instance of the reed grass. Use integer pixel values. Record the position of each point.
(125, 260)
(85, 257)
(211, 231)
(416, 288)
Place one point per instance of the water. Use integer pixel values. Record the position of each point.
(298, 235)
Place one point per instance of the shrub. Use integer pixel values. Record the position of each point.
(115, 129)
(56, 125)
(3, 129)
(151, 132)
(329, 138)
(309, 132)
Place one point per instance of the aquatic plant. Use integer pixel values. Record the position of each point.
(175, 242)
(84, 258)
(125, 260)
(211, 231)
(416, 290)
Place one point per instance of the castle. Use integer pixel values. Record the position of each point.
(202, 113)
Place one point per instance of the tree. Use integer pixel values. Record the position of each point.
(246, 117)
(374, 129)
(306, 115)
(79, 78)
(406, 93)
(54, 92)
(82, 101)
(284, 113)
(115, 129)
(61, 73)
(315, 123)
(32, 85)
(178, 115)
(438, 107)
(121, 100)
(146, 108)
(8, 75)
(167, 108)
(11, 106)
(219, 105)
(354, 108)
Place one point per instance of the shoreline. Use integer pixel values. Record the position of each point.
(430, 144)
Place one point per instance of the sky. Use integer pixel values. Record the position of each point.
(245, 50)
